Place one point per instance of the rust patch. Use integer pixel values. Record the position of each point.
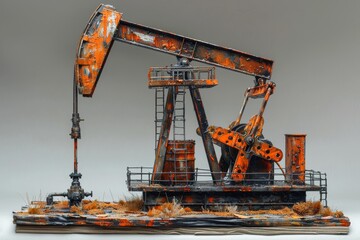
(295, 158)
(94, 47)
(125, 223)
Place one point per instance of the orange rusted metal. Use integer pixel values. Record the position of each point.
(260, 91)
(125, 223)
(179, 167)
(200, 77)
(240, 167)
(188, 199)
(267, 151)
(247, 158)
(198, 83)
(193, 49)
(255, 121)
(106, 25)
(94, 47)
(295, 157)
(164, 134)
(246, 149)
(263, 90)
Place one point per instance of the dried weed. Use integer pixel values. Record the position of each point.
(76, 209)
(307, 208)
(35, 210)
(61, 205)
(168, 210)
(133, 204)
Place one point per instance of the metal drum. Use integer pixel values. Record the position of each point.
(179, 163)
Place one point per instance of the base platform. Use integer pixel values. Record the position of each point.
(171, 218)
(336, 230)
(258, 191)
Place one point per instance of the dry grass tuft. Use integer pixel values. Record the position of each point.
(40, 204)
(326, 211)
(36, 207)
(95, 211)
(174, 209)
(98, 207)
(91, 205)
(94, 207)
(307, 208)
(111, 206)
(134, 204)
(338, 214)
(314, 208)
(107, 205)
(35, 210)
(61, 205)
(75, 209)
(168, 210)
(231, 209)
(283, 211)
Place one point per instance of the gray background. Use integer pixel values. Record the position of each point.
(315, 46)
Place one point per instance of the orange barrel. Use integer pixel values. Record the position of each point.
(179, 166)
(295, 158)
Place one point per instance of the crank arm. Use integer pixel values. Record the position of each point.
(241, 166)
(266, 151)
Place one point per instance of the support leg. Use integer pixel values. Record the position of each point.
(164, 134)
(207, 140)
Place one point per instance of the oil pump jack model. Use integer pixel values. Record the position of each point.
(247, 175)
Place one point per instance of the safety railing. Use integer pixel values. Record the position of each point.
(140, 177)
(181, 73)
(136, 175)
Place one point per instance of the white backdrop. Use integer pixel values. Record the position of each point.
(315, 46)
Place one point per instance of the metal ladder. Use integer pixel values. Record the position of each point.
(323, 189)
(179, 133)
(179, 115)
(159, 111)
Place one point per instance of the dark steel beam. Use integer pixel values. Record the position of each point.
(170, 43)
(207, 140)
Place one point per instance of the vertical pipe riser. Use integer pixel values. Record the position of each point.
(295, 158)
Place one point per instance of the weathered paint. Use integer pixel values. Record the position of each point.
(164, 134)
(179, 82)
(125, 223)
(94, 46)
(179, 164)
(249, 143)
(170, 43)
(295, 157)
(245, 199)
(259, 91)
(205, 135)
(106, 25)
(198, 220)
(246, 150)
(263, 90)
